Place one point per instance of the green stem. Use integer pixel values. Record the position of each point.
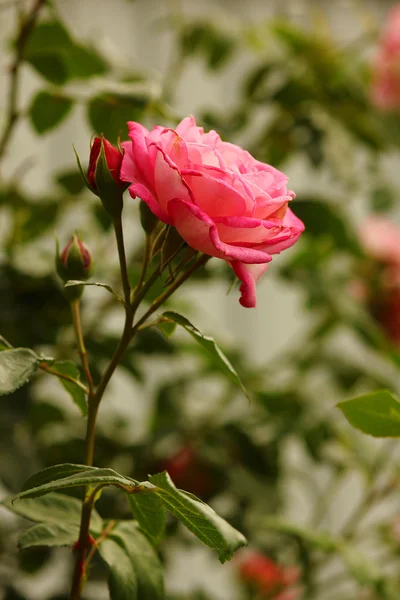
(119, 236)
(165, 295)
(93, 407)
(145, 265)
(76, 321)
(12, 115)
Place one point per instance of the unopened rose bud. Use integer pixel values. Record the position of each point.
(102, 176)
(73, 263)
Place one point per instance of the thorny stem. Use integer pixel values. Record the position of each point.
(127, 335)
(12, 115)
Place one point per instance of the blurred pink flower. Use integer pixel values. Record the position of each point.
(386, 70)
(222, 201)
(380, 287)
(271, 580)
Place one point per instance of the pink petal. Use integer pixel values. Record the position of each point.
(216, 197)
(168, 181)
(140, 153)
(249, 275)
(201, 233)
(189, 130)
(138, 190)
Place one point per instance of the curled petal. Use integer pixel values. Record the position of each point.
(138, 190)
(201, 233)
(249, 275)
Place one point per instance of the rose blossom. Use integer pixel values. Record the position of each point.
(386, 81)
(221, 200)
(381, 285)
(269, 578)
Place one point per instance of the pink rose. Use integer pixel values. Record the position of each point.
(386, 81)
(381, 240)
(380, 287)
(269, 578)
(221, 200)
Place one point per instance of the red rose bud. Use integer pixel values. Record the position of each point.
(73, 263)
(102, 177)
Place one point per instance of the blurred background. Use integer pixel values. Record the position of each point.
(313, 88)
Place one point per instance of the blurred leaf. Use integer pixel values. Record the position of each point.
(149, 512)
(72, 283)
(48, 110)
(135, 569)
(376, 413)
(53, 68)
(383, 199)
(46, 51)
(16, 368)
(67, 367)
(199, 518)
(32, 219)
(167, 327)
(323, 219)
(71, 182)
(57, 57)
(203, 38)
(83, 62)
(210, 346)
(109, 113)
(91, 476)
(361, 567)
(54, 508)
(49, 534)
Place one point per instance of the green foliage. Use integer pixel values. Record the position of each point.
(71, 182)
(67, 367)
(48, 534)
(209, 345)
(48, 110)
(54, 509)
(54, 54)
(135, 569)
(198, 517)
(79, 477)
(17, 365)
(149, 511)
(72, 283)
(108, 113)
(376, 413)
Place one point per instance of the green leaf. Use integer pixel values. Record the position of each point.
(135, 569)
(71, 182)
(16, 368)
(323, 219)
(49, 534)
(47, 51)
(51, 67)
(361, 567)
(84, 62)
(376, 413)
(210, 345)
(319, 540)
(67, 367)
(167, 327)
(109, 113)
(91, 476)
(199, 518)
(48, 110)
(149, 511)
(54, 508)
(73, 283)
(53, 473)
